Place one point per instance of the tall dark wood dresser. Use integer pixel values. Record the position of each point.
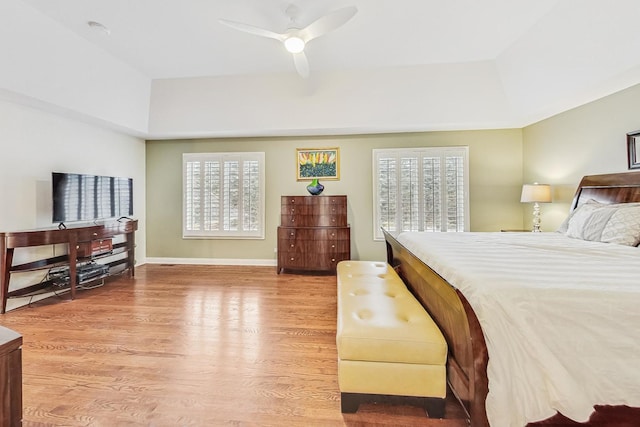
(313, 233)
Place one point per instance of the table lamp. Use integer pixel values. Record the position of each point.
(536, 193)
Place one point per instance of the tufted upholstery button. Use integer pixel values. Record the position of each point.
(364, 314)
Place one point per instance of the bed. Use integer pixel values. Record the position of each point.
(573, 298)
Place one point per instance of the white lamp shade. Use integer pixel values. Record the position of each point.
(536, 193)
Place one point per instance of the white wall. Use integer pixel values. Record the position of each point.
(430, 97)
(34, 143)
(543, 74)
(47, 65)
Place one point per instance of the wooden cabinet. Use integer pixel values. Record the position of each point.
(313, 233)
(84, 244)
(10, 378)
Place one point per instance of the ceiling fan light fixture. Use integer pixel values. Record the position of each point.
(294, 44)
(294, 39)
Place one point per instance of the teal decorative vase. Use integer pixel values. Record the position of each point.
(315, 187)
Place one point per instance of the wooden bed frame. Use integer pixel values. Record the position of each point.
(468, 356)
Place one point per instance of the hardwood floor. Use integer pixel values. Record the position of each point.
(193, 346)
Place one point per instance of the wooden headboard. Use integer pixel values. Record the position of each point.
(608, 188)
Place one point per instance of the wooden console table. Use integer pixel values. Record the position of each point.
(10, 378)
(74, 238)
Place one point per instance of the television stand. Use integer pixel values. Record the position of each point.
(77, 239)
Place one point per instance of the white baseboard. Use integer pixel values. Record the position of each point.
(212, 261)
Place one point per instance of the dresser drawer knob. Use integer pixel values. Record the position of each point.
(333, 260)
(292, 259)
(333, 246)
(292, 245)
(292, 234)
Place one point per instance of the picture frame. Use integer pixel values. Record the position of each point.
(317, 163)
(633, 149)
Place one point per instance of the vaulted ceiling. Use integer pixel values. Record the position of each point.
(183, 38)
(521, 60)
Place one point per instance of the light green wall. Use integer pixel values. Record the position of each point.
(587, 140)
(495, 159)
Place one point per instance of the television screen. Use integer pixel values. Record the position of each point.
(78, 197)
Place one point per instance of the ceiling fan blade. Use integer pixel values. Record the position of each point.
(302, 65)
(252, 30)
(327, 23)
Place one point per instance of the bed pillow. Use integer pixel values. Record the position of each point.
(588, 221)
(623, 227)
(564, 226)
(617, 223)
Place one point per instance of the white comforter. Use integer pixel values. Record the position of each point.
(561, 318)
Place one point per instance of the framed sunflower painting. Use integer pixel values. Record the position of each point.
(318, 163)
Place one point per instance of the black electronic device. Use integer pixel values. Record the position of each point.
(80, 197)
(84, 272)
(90, 271)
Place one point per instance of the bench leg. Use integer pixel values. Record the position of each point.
(434, 407)
(349, 402)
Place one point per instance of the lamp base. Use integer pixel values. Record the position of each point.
(536, 218)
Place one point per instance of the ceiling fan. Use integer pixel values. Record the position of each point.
(295, 39)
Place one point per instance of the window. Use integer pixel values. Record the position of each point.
(420, 189)
(223, 195)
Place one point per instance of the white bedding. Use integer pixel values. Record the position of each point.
(561, 318)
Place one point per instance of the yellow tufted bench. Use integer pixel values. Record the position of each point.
(388, 345)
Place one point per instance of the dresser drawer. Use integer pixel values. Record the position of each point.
(313, 233)
(313, 200)
(309, 209)
(329, 246)
(300, 261)
(292, 260)
(304, 247)
(329, 262)
(313, 220)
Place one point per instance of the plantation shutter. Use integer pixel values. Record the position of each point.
(421, 189)
(223, 195)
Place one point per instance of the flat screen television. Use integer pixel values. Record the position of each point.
(79, 197)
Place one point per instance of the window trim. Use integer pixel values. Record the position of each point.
(222, 157)
(398, 152)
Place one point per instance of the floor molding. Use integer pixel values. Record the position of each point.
(212, 261)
